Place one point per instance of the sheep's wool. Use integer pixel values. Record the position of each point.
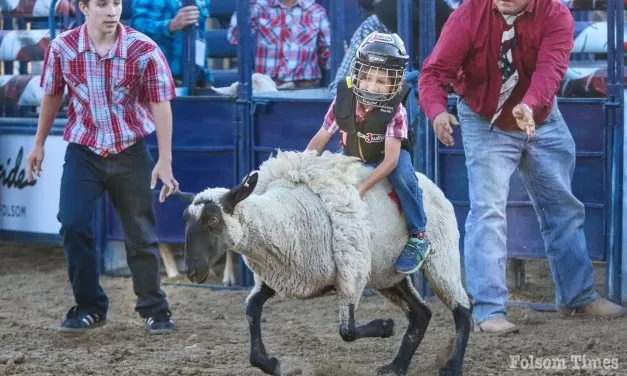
(330, 176)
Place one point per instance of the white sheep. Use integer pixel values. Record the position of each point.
(305, 232)
(260, 82)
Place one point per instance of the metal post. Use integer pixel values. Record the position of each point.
(190, 33)
(337, 36)
(52, 25)
(425, 149)
(21, 25)
(404, 18)
(426, 155)
(7, 24)
(244, 115)
(245, 50)
(614, 109)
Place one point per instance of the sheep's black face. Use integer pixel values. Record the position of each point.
(207, 234)
(205, 239)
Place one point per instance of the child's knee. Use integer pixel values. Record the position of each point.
(396, 177)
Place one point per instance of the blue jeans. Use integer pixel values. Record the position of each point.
(405, 184)
(126, 178)
(546, 164)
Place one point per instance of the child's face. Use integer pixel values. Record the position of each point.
(375, 81)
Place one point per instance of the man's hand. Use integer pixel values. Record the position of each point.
(524, 119)
(443, 129)
(185, 16)
(33, 162)
(163, 172)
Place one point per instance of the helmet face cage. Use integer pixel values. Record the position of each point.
(378, 69)
(374, 85)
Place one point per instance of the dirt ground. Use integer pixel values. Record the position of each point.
(213, 335)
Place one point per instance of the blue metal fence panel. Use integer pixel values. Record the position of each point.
(585, 120)
(287, 125)
(615, 107)
(204, 154)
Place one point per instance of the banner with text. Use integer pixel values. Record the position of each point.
(30, 207)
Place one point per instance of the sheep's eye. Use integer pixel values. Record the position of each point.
(212, 220)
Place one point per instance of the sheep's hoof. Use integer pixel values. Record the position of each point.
(229, 280)
(391, 369)
(271, 366)
(446, 371)
(388, 328)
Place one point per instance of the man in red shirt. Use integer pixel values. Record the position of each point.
(506, 59)
(119, 87)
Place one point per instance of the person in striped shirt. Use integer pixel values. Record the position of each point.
(119, 87)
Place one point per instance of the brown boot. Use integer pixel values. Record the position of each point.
(498, 326)
(599, 308)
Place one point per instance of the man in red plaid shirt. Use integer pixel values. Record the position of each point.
(293, 39)
(119, 87)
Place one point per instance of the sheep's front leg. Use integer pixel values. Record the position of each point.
(254, 305)
(350, 332)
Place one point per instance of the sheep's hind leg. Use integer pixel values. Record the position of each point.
(351, 332)
(406, 297)
(254, 305)
(448, 287)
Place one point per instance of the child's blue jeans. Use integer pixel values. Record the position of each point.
(405, 183)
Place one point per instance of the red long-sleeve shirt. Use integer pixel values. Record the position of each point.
(466, 56)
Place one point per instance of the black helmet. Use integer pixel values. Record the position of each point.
(382, 58)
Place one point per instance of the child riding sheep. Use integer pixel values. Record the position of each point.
(369, 113)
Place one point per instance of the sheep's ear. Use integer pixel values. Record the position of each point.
(239, 192)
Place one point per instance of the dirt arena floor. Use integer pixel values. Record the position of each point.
(213, 335)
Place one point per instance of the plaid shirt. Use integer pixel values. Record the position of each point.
(152, 18)
(292, 43)
(398, 126)
(370, 25)
(109, 97)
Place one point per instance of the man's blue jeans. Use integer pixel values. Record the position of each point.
(546, 164)
(403, 180)
(126, 178)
